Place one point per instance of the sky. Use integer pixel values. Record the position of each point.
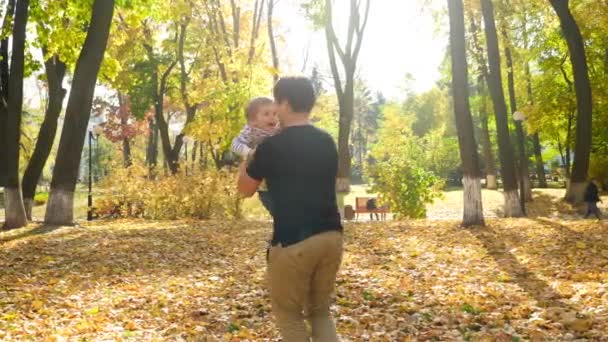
(402, 38)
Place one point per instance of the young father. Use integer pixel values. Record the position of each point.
(300, 166)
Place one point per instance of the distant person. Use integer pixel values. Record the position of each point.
(372, 207)
(591, 198)
(300, 166)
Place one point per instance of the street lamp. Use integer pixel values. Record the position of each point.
(93, 135)
(519, 117)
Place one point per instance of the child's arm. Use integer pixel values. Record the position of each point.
(240, 144)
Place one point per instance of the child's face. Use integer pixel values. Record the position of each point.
(266, 118)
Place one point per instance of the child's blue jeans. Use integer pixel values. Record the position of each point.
(266, 200)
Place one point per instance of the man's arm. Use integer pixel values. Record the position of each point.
(247, 186)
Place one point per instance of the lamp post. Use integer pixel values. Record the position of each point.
(519, 117)
(93, 135)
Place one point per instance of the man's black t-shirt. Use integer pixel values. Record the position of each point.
(300, 166)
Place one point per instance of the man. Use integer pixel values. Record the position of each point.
(591, 198)
(300, 167)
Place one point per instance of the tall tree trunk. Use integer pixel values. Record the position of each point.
(606, 61)
(4, 75)
(152, 148)
(560, 148)
(193, 155)
(473, 211)
(184, 78)
(65, 174)
(271, 38)
(161, 124)
(540, 165)
(55, 72)
(524, 171)
(126, 149)
(568, 144)
(347, 108)
(345, 90)
(488, 153)
(14, 208)
(486, 143)
(123, 113)
(512, 206)
(582, 86)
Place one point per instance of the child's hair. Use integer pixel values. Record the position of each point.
(253, 107)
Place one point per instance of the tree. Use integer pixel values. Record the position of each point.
(4, 75)
(345, 87)
(60, 205)
(55, 72)
(271, 39)
(512, 207)
(540, 166)
(486, 142)
(473, 211)
(237, 70)
(524, 172)
(15, 210)
(582, 87)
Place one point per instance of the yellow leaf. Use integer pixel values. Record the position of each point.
(47, 259)
(9, 316)
(92, 311)
(581, 245)
(37, 305)
(130, 325)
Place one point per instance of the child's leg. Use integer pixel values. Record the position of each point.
(267, 203)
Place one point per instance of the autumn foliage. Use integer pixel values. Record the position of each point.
(137, 192)
(516, 280)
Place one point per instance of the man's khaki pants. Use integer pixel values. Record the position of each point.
(301, 278)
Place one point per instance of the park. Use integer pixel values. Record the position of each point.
(157, 158)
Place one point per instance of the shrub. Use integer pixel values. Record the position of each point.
(41, 198)
(130, 192)
(405, 186)
(598, 168)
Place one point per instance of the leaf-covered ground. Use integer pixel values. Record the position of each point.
(528, 279)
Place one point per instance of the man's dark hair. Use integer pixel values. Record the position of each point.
(297, 91)
(253, 107)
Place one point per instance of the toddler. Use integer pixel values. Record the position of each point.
(262, 122)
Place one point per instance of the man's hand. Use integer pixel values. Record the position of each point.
(247, 186)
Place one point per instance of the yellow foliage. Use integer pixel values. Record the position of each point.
(188, 280)
(203, 195)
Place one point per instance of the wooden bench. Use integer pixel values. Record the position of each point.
(361, 208)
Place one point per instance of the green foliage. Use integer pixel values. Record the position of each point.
(598, 168)
(129, 192)
(398, 166)
(41, 198)
(420, 129)
(315, 12)
(405, 186)
(325, 114)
